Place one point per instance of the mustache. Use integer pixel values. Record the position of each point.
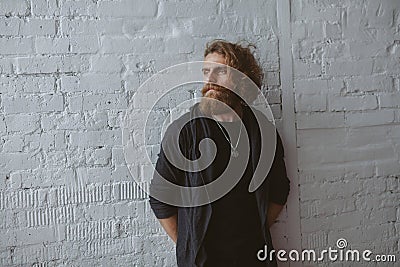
(215, 87)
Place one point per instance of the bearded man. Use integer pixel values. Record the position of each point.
(232, 229)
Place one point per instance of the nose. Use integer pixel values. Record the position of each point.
(211, 77)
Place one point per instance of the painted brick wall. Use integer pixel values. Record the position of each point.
(346, 85)
(69, 68)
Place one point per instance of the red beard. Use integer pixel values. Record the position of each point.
(209, 106)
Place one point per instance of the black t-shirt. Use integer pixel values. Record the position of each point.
(234, 234)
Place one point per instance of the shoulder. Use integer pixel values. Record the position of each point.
(178, 129)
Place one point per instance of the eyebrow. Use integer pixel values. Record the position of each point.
(216, 68)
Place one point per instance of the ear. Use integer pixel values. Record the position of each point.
(248, 90)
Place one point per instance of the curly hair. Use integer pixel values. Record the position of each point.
(241, 58)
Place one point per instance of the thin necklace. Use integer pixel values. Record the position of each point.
(234, 151)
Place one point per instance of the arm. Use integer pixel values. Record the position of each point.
(170, 226)
(165, 213)
(273, 212)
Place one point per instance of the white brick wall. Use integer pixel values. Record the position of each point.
(348, 157)
(68, 69)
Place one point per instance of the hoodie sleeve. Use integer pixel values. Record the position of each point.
(165, 170)
(279, 183)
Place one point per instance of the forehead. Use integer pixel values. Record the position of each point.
(214, 58)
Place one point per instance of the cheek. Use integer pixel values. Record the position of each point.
(226, 83)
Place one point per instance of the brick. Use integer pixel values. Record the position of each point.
(112, 45)
(387, 167)
(65, 121)
(310, 102)
(74, 104)
(69, 84)
(111, 26)
(382, 216)
(188, 9)
(44, 140)
(369, 118)
(36, 236)
(380, 83)
(13, 143)
(362, 50)
(45, 45)
(332, 30)
(78, 9)
(315, 30)
(369, 135)
(310, 86)
(59, 141)
(273, 78)
(106, 64)
(18, 161)
(352, 24)
(104, 101)
(114, 118)
(347, 68)
(9, 26)
(45, 7)
(45, 103)
(347, 220)
(100, 83)
(306, 70)
(123, 173)
(37, 64)
(96, 138)
(11, 7)
(51, 64)
(380, 14)
(329, 173)
(127, 8)
(74, 63)
(96, 175)
(389, 100)
(84, 44)
(37, 27)
(387, 66)
(16, 46)
(273, 96)
(6, 65)
(118, 157)
(78, 26)
(22, 123)
(182, 44)
(336, 206)
(320, 120)
(343, 103)
(317, 137)
(95, 120)
(83, 26)
(100, 157)
(311, 156)
(336, 85)
(336, 50)
(314, 13)
(27, 84)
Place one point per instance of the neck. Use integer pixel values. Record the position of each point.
(229, 116)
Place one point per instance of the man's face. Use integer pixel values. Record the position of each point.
(218, 85)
